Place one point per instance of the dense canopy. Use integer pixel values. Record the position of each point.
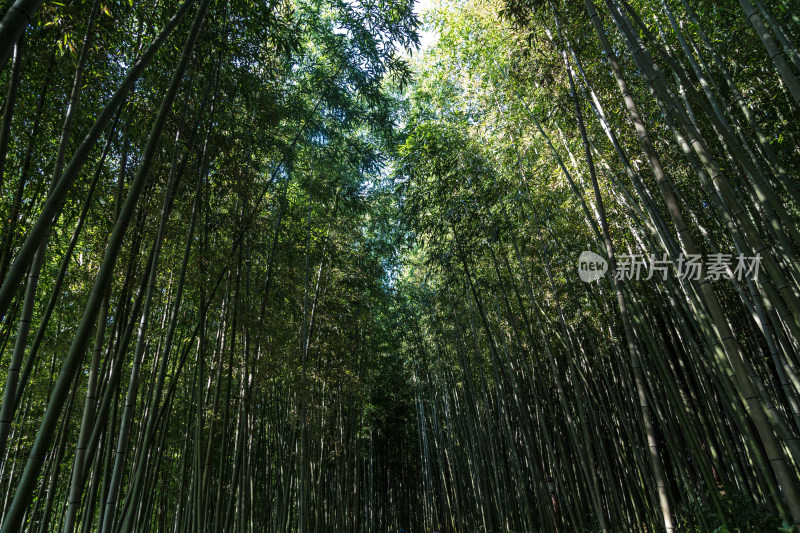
(369, 265)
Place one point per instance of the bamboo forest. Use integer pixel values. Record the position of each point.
(419, 266)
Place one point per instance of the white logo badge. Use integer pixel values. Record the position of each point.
(591, 266)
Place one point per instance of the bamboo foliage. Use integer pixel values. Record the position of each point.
(501, 160)
(264, 271)
(175, 403)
